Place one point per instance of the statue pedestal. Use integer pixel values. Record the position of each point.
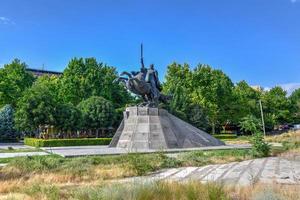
(154, 128)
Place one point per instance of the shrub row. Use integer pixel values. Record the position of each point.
(66, 142)
(225, 136)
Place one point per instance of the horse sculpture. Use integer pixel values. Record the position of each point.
(135, 82)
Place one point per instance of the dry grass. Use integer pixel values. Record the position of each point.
(290, 136)
(265, 191)
(154, 191)
(237, 141)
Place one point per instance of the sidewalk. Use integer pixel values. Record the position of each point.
(105, 150)
(20, 154)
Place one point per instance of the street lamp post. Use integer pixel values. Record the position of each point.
(262, 117)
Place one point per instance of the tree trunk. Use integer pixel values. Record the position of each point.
(213, 128)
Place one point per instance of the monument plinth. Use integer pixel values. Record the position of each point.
(154, 128)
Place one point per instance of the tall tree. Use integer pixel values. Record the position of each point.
(295, 107)
(178, 84)
(84, 78)
(276, 107)
(246, 101)
(38, 106)
(201, 95)
(13, 81)
(212, 89)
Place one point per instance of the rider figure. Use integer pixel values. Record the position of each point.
(152, 78)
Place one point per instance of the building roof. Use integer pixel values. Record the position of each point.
(42, 71)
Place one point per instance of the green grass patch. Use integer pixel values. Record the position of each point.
(200, 158)
(66, 142)
(140, 164)
(80, 166)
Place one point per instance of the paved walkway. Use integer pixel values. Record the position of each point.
(266, 170)
(105, 150)
(20, 154)
(18, 145)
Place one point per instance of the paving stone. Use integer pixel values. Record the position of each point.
(269, 171)
(166, 173)
(233, 175)
(251, 174)
(266, 170)
(183, 173)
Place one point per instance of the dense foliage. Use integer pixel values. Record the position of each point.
(85, 100)
(38, 106)
(13, 81)
(207, 98)
(97, 113)
(84, 78)
(260, 148)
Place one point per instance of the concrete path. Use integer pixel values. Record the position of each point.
(266, 170)
(105, 150)
(20, 154)
(18, 145)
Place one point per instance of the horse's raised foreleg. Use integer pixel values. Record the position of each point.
(126, 73)
(122, 79)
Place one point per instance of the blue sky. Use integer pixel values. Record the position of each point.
(253, 40)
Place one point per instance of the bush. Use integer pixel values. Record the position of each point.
(259, 147)
(66, 142)
(250, 124)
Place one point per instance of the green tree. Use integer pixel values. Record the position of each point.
(84, 78)
(97, 113)
(178, 84)
(200, 96)
(212, 89)
(13, 82)
(276, 107)
(38, 106)
(246, 101)
(295, 106)
(68, 118)
(7, 130)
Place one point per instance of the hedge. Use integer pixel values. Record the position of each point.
(225, 136)
(66, 142)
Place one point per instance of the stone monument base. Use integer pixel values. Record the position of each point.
(154, 128)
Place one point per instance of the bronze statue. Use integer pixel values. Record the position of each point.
(144, 83)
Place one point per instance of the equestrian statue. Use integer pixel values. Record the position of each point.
(144, 83)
